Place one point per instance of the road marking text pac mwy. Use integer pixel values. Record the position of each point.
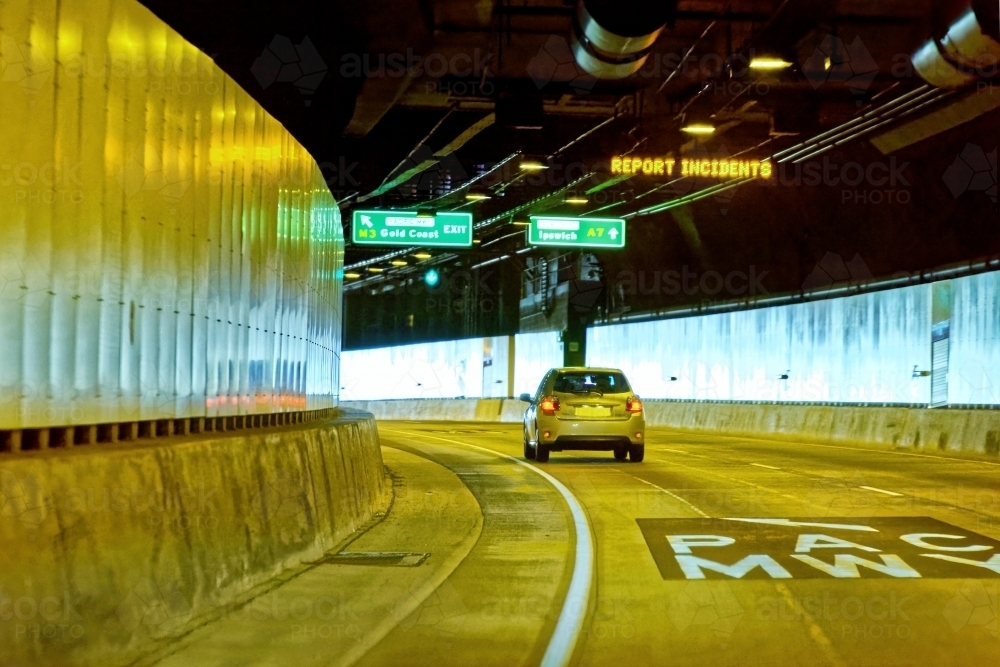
(819, 548)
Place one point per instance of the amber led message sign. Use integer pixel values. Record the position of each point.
(708, 168)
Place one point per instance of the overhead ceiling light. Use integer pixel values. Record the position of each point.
(375, 269)
(520, 223)
(533, 165)
(423, 255)
(399, 262)
(426, 213)
(477, 196)
(352, 275)
(476, 241)
(769, 63)
(576, 199)
(698, 129)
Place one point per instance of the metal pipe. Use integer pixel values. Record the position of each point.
(957, 59)
(612, 40)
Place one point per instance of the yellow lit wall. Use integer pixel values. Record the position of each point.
(167, 249)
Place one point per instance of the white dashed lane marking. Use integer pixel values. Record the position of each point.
(669, 493)
(878, 490)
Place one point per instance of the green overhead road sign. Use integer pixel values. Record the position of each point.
(406, 228)
(576, 232)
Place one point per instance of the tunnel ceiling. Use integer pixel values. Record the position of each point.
(443, 91)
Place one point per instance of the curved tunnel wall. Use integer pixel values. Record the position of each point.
(167, 249)
(889, 347)
(467, 368)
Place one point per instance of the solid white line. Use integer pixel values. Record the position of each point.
(675, 451)
(877, 490)
(815, 631)
(574, 611)
(761, 465)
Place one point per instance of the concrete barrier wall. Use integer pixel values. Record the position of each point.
(109, 553)
(972, 431)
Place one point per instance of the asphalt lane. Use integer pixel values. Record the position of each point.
(714, 551)
(862, 609)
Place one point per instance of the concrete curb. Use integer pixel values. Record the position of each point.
(112, 552)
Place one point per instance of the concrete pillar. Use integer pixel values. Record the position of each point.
(62, 436)
(128, 431)
(85, 435)
(13, 441)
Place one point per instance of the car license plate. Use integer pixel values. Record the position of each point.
(588, 411)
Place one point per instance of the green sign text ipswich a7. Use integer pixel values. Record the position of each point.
(576, 232)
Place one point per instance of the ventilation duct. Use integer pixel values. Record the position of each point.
(969, 52)
(612, 38)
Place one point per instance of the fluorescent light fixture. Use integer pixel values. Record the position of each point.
(399, 262)
(352, 275)
(426, 213)
(375, 269)
(423, 255)
(576, 199)
(477, 196)
(533, 165)
(519, 223)
(698, 128)
(769, 63)
(476, 241)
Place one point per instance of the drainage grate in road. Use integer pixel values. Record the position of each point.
(379, 559)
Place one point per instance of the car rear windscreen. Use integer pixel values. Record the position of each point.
(585, 381)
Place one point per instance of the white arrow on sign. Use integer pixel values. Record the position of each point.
(788, 522)
(613, 233)
(366, 221)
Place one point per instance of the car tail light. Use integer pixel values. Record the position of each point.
(549, 405)
(633, 405)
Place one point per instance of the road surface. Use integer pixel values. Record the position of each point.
(863, 557)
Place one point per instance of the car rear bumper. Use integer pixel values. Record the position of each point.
(593, 435)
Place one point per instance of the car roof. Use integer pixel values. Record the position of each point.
(572, 369)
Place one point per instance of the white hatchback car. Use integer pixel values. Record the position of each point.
(591, 409)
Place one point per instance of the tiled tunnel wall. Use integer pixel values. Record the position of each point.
(872, 348)
(167, 249)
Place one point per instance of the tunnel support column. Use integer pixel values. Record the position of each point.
(574, 342)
